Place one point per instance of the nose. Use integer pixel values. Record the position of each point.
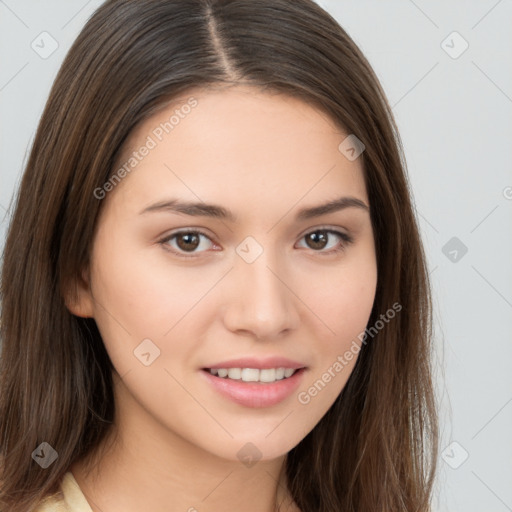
(261, 301)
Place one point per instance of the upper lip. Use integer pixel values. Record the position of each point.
(259, 363)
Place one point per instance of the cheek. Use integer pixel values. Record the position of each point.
(144, 290)
(344, 304)
(141, 295)
(343, 300)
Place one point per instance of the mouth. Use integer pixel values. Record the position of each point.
(255, 387)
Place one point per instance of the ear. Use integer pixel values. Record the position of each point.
(78, 297)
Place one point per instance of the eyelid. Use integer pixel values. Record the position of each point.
(326, 227)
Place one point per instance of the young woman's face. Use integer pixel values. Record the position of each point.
(179, 286)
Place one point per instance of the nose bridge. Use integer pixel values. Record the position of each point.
(263, 303)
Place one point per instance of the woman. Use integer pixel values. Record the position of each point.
(214, 291)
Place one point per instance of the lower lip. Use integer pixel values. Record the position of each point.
(255, 394)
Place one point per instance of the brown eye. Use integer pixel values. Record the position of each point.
(320, 238)
(184, 242)
(187, 241)
(317, 239)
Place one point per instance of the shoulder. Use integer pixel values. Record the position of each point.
(69, 498)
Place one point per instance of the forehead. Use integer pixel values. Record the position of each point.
(239, 146)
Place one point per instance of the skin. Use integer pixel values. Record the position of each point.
(264, 156)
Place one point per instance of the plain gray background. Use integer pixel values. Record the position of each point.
(453, 106)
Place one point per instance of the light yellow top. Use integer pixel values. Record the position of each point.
(69, 499)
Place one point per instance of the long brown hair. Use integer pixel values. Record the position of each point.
(376, 447)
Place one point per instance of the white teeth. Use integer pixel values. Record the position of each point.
(250, 374)
(235, 373)
(254, 374)
(268, 375)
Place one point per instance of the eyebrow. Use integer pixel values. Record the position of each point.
(201, 209)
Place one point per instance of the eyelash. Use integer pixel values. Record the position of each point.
(346, 240)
